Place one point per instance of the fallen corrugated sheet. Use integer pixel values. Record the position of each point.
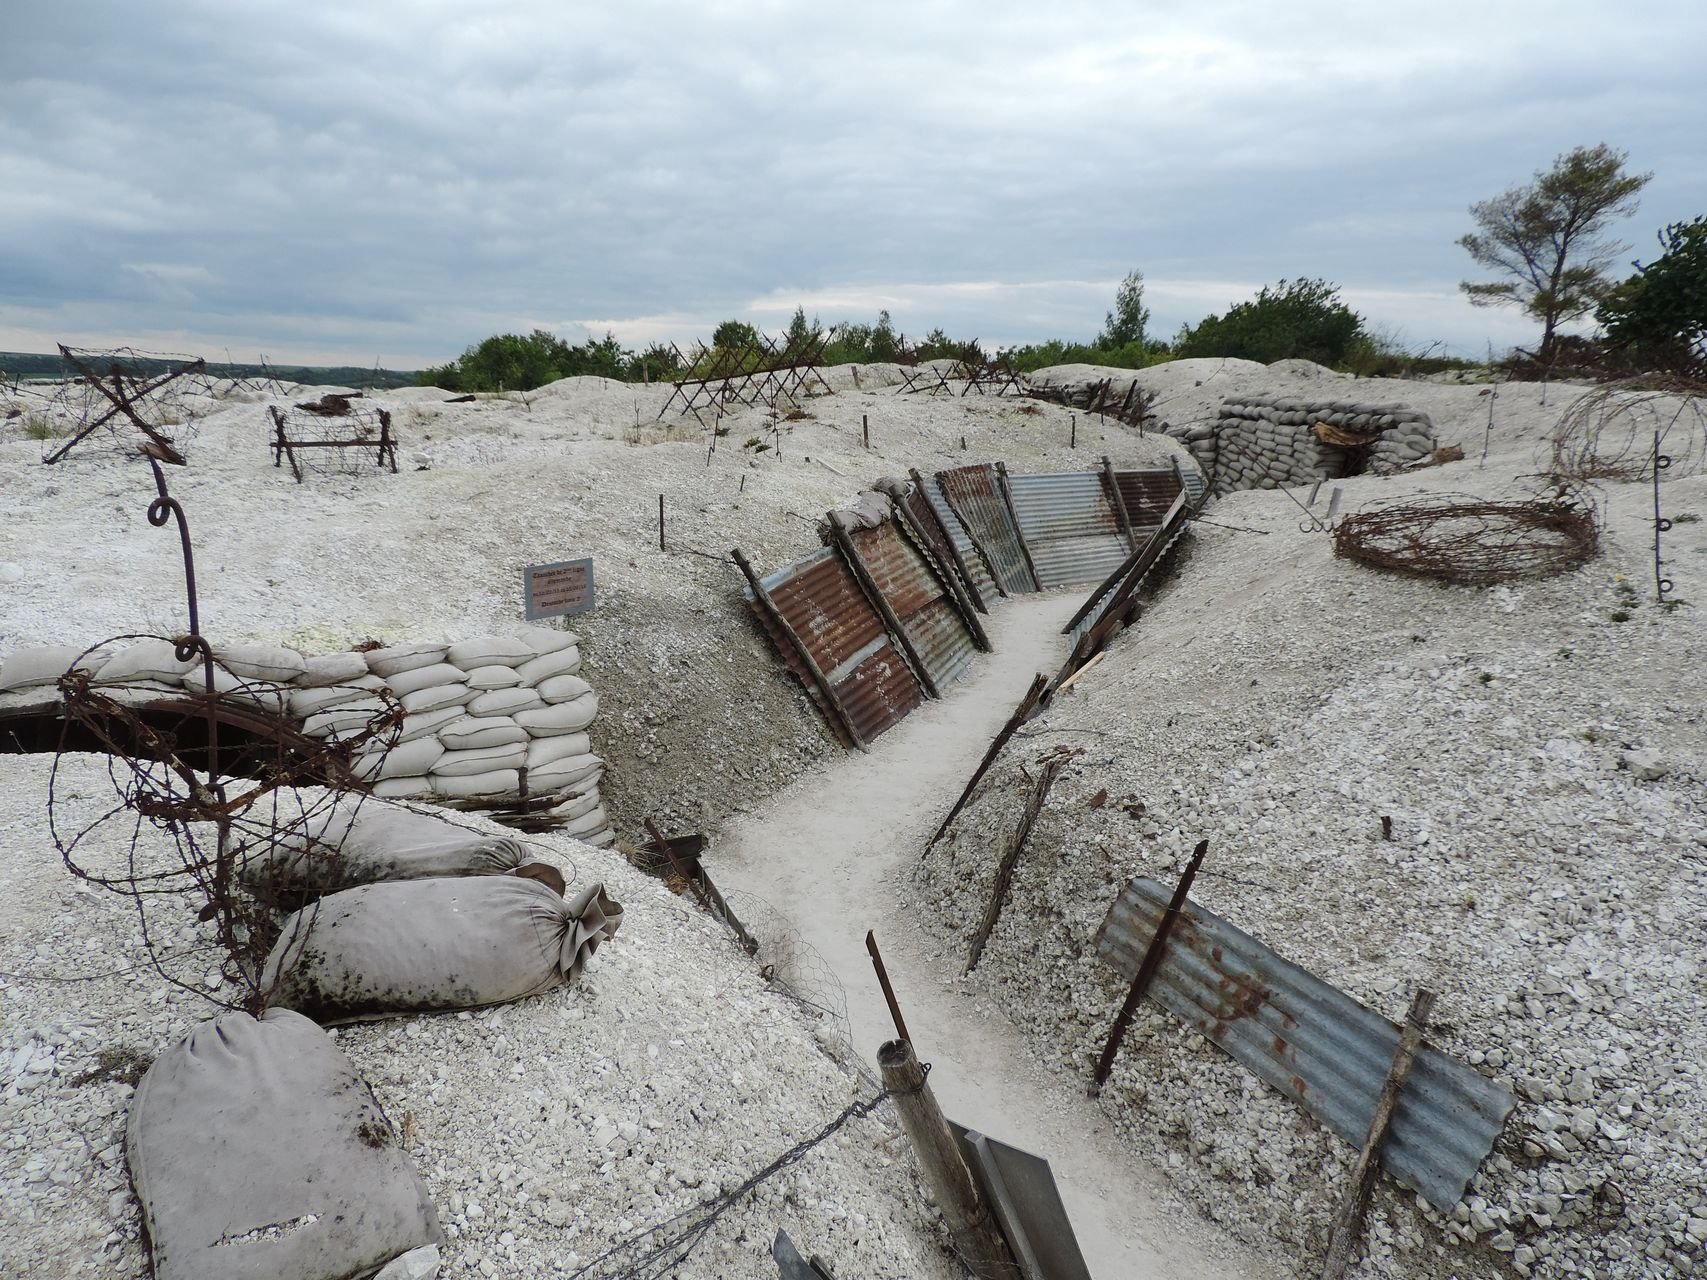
(1117, 591)
(1069, 527)
(1311, 1041)
(919, 599)
(982, 579)
(1148, 495)
(823, 604)
(973, 494)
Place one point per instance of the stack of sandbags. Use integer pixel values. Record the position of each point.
(1264, 442)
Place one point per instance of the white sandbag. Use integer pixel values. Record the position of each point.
(440, 695)
(408, 946)
(38, 667)
(563, 773)
(574, 808)
(560, 717)
(564, 688)
(546, 639)
(493, 677)
(343, 721)
(562, 662)
(504, 702)
(368, 842)
(272, 662)
(331, 668)
(145, 660)
(419, 724)
(589, 823)
(497, 782)
(386, 663)
(604, 840)
(267, 696)
(503, 651)
(256, 1150)
(542, 751)
(471, 733)
(460, 764)
(424, 678)
(405, 760)
(402, 788)
(305, 702)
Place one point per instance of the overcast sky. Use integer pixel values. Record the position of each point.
(380, 180)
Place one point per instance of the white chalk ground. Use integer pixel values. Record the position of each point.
(830, 853)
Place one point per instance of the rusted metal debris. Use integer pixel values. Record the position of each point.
(888, 991)
(331, 422)
(1010, 859)
(761, 371)
(676, 860)
(123, 394)
(1607, 433)
(1027, 708)
(1472, 540)
(1310, 1041)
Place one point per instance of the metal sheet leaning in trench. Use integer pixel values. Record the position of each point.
(973, 494)
(1148, 494)
(970, 556)
(1311, 1041)
(942, 640)
(1071, 530)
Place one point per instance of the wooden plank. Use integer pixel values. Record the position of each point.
(1010, 860)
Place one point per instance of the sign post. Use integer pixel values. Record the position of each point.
(558, 590)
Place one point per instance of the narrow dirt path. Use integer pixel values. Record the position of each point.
(828, 852)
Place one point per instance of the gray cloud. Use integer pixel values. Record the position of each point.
(402, 178)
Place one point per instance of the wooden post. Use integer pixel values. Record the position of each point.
(1021, 714)
(868, 584)
(977, 545)
(942, 1167)
(833, 706)
(948, 538)
(1010, 859)
(1117, 500)
(660, 522)
(883, 981)
(1147, 968)
(1073, 440)
(1348, 1222)
(1013, 514)
(957, 599)
(865, 429)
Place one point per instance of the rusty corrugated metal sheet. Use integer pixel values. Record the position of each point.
(1071, 531)
(1148, 495)
(975, 564)
(823, 603)
(1150, 552)
(1311, 1041)
(974, 494)
(938, 635)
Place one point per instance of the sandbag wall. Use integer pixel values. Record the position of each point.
(886, 615)
(1265, 442)
(495, 723)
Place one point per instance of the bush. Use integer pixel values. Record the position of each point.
(1658, 317)
(510, 362)
(1298, 319)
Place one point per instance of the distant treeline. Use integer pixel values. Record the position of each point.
(23, 364)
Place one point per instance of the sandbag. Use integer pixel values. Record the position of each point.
(366, 843)
(402, 788)
(258, 1153)
(344, 721)
(560, 717)
(145, 660)
(405, 760)
(560, 662)
(562, 773)
(424, 678)
(576, 807)
(32, 668)
(505, 651)
(418, 724)
(563, 688)
(544, 750)
(412, 946)
(264, 694)
(495, 782)
(492, 677)
(261, 661)
(440, 695)
(504, 702)
(305, 702)
(459, 764)
(589, 823)
(546, 639)
(331, 668)
(386, 663)
(470, 733)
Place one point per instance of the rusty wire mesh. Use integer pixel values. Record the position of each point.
(1610, 432)
(1473, 540)
(114, 401)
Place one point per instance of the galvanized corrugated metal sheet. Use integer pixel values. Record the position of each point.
(1311, 1041)
(973, 492)
(969, 554)
(919, 599)
(1148, 495)
(1170, 531)
(1071, 531)
(1195, 485)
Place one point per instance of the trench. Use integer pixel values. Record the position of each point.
(830, 853)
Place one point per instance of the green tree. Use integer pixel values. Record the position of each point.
(1658, 317)
(732, 334)
(1302, 319)
(1548, 237)
(1125, 325)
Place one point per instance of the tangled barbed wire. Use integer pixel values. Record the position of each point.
(1614, 431)
(1474, 540)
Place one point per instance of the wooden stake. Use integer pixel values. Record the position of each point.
(942, 1167)
(888, 991)
(865, 429)
(1013, 514)
(1021, 714)
(1073, 679)
(1010, 859)
(954, 551)
(880, 602)
(1073, 440)
(660, 522)
(1348, 1222)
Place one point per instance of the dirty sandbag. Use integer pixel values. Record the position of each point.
(413, 946)
(868, 511)
(360, 844)
(257, 1152)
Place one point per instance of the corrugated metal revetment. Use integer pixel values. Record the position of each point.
(974, 495)
(1069, 527)
(1150, 552)
(1311, 1041)
(1147, 495)
(982, 578)
(919, 599)
(823, 604)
